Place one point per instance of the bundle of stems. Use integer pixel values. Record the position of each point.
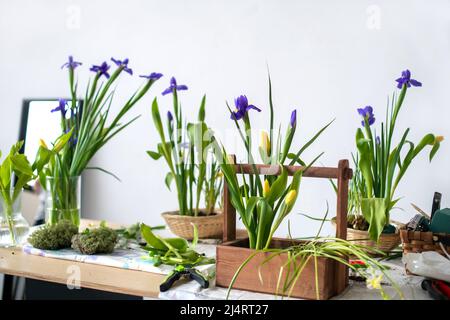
(184, 146)
(92, 126)
(264, 204)
(382, 162)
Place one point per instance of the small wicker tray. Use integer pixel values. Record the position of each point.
(417, 241)
(210, 226)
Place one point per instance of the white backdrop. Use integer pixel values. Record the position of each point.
(326, 58)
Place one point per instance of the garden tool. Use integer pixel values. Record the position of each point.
(184, 271)
(433, 290)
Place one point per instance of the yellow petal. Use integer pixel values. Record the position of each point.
(265, 142)
(290, 197)
(266, 188)
(439, 138)
(43, 144)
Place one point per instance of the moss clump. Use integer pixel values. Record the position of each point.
(54, 237)
(99, 240)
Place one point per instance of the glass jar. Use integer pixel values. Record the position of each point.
(63, 200)
(14, 228)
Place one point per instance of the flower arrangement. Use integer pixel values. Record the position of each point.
(263, 204)
(15, 174)
(92, 126)
(382, 162)
(184, 146)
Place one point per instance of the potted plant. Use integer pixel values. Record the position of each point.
(381, 163)
(184, 147)
(15, 174)
(92, 126)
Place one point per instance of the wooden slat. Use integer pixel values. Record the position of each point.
(312, 172)
(15, 262)
(341, 219)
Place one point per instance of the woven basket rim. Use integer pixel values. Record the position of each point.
(176, 215)
(383, 235)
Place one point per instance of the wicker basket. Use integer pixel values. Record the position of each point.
(386, 243)
(417, 241)
(210, 226)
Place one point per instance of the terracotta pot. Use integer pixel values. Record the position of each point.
(209, 226)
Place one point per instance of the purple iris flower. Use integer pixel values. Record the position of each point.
(406, 79)
(169, 116)
(294, 118)
(61, 107)
(123, 64)
(242, 107)
(152, 76)
(174, 86)
(101, 69)
(367, 113)
(71, 64)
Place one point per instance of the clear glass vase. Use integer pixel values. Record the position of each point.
(63, 201)
(13, 226)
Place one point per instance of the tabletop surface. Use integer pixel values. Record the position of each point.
(14, 261)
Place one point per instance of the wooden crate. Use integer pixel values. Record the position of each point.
(333, 277)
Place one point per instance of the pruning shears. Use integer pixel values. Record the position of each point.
(184, 271)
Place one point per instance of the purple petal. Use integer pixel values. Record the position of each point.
(415, 83)
(293, 121)
(253, 107)
(181, 87)
(128, 70)
(173, 82)
(117, 62)
(167, 91)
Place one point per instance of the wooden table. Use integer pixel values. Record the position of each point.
(133, 282)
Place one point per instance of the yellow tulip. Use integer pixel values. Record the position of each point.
(290, 197)
(266, 188)
(43, 144)
(265, 142)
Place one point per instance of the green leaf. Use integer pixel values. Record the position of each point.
(278, 187)
(20, 164)
(434, 150)
(310, 141)
(151, 239)
(5, 172)
(104, 171)
(364, 160)
(195, 239)
(154, 155)
(157, 119)
(62, 141)
(201, 111)
(168, 180)
(265, 220)
(374, 211)
(42, 158)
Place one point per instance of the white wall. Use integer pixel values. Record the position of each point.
(326, 58)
